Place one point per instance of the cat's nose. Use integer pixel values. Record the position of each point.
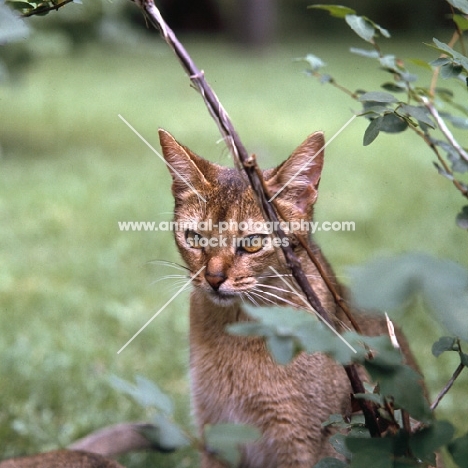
(215, 280)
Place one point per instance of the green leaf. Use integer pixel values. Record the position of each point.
(333, 419)
(461, 21)
(281, 348)
(462, 218)
(286, 328)
(445, 94)
(426, 441)
(394, 87)
(446, 49)
(459, 451)
(401, 383)
(445, 343)
(373, 397)
(365, 53)
(165, 435)
(461, 5)
(372, 131)
(225, 439)
(420, 63)
(378, 96)
(330, 462)
(387, 284)
(337, 11)
(392, 123)
(450, 70)
(464, 359)
(389, 61)
(367, 452)
(420, 113)
(440, 61)
(20, 5)
(145, 393)
(458, 163)
(361, 26)
(338, 442)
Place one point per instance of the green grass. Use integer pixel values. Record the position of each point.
(73, 289)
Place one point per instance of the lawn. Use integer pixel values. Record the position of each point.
(74, 289)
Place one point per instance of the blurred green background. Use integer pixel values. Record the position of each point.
(74, 289)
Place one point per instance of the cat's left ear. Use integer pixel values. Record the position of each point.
(297, 178)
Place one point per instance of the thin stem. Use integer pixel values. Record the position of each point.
(444, 129)
(461, 187)
(448, 386)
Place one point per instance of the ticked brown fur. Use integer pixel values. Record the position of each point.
(234, 379)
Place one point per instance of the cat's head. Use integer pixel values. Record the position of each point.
(221, 228)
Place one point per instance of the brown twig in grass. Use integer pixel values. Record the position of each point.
(249, 165)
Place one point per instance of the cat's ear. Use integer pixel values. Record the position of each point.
(186, 167)
(297, 178)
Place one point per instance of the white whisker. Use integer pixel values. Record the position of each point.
(279, 298)
(167, 277)
(168, 263)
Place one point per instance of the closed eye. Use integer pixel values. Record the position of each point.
(252, 243)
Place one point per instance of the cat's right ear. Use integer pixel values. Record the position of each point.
(184, 166)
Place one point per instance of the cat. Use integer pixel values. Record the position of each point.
(61, 459)
(235, 379)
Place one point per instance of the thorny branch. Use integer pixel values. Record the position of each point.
(249, 165)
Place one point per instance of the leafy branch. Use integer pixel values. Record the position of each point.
(448, 343)
(38, 8)
(417, 111)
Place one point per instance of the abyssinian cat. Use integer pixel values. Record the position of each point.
(234, 379)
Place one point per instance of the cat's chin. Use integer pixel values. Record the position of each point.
(222, 299)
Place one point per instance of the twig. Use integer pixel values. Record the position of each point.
(444, 129)
(250, 167)
(461, 187)
(447, 387)
(45, 9)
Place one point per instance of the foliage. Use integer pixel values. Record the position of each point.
(390, 283)
(223, 440)
(398, 388)
(417, 108)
